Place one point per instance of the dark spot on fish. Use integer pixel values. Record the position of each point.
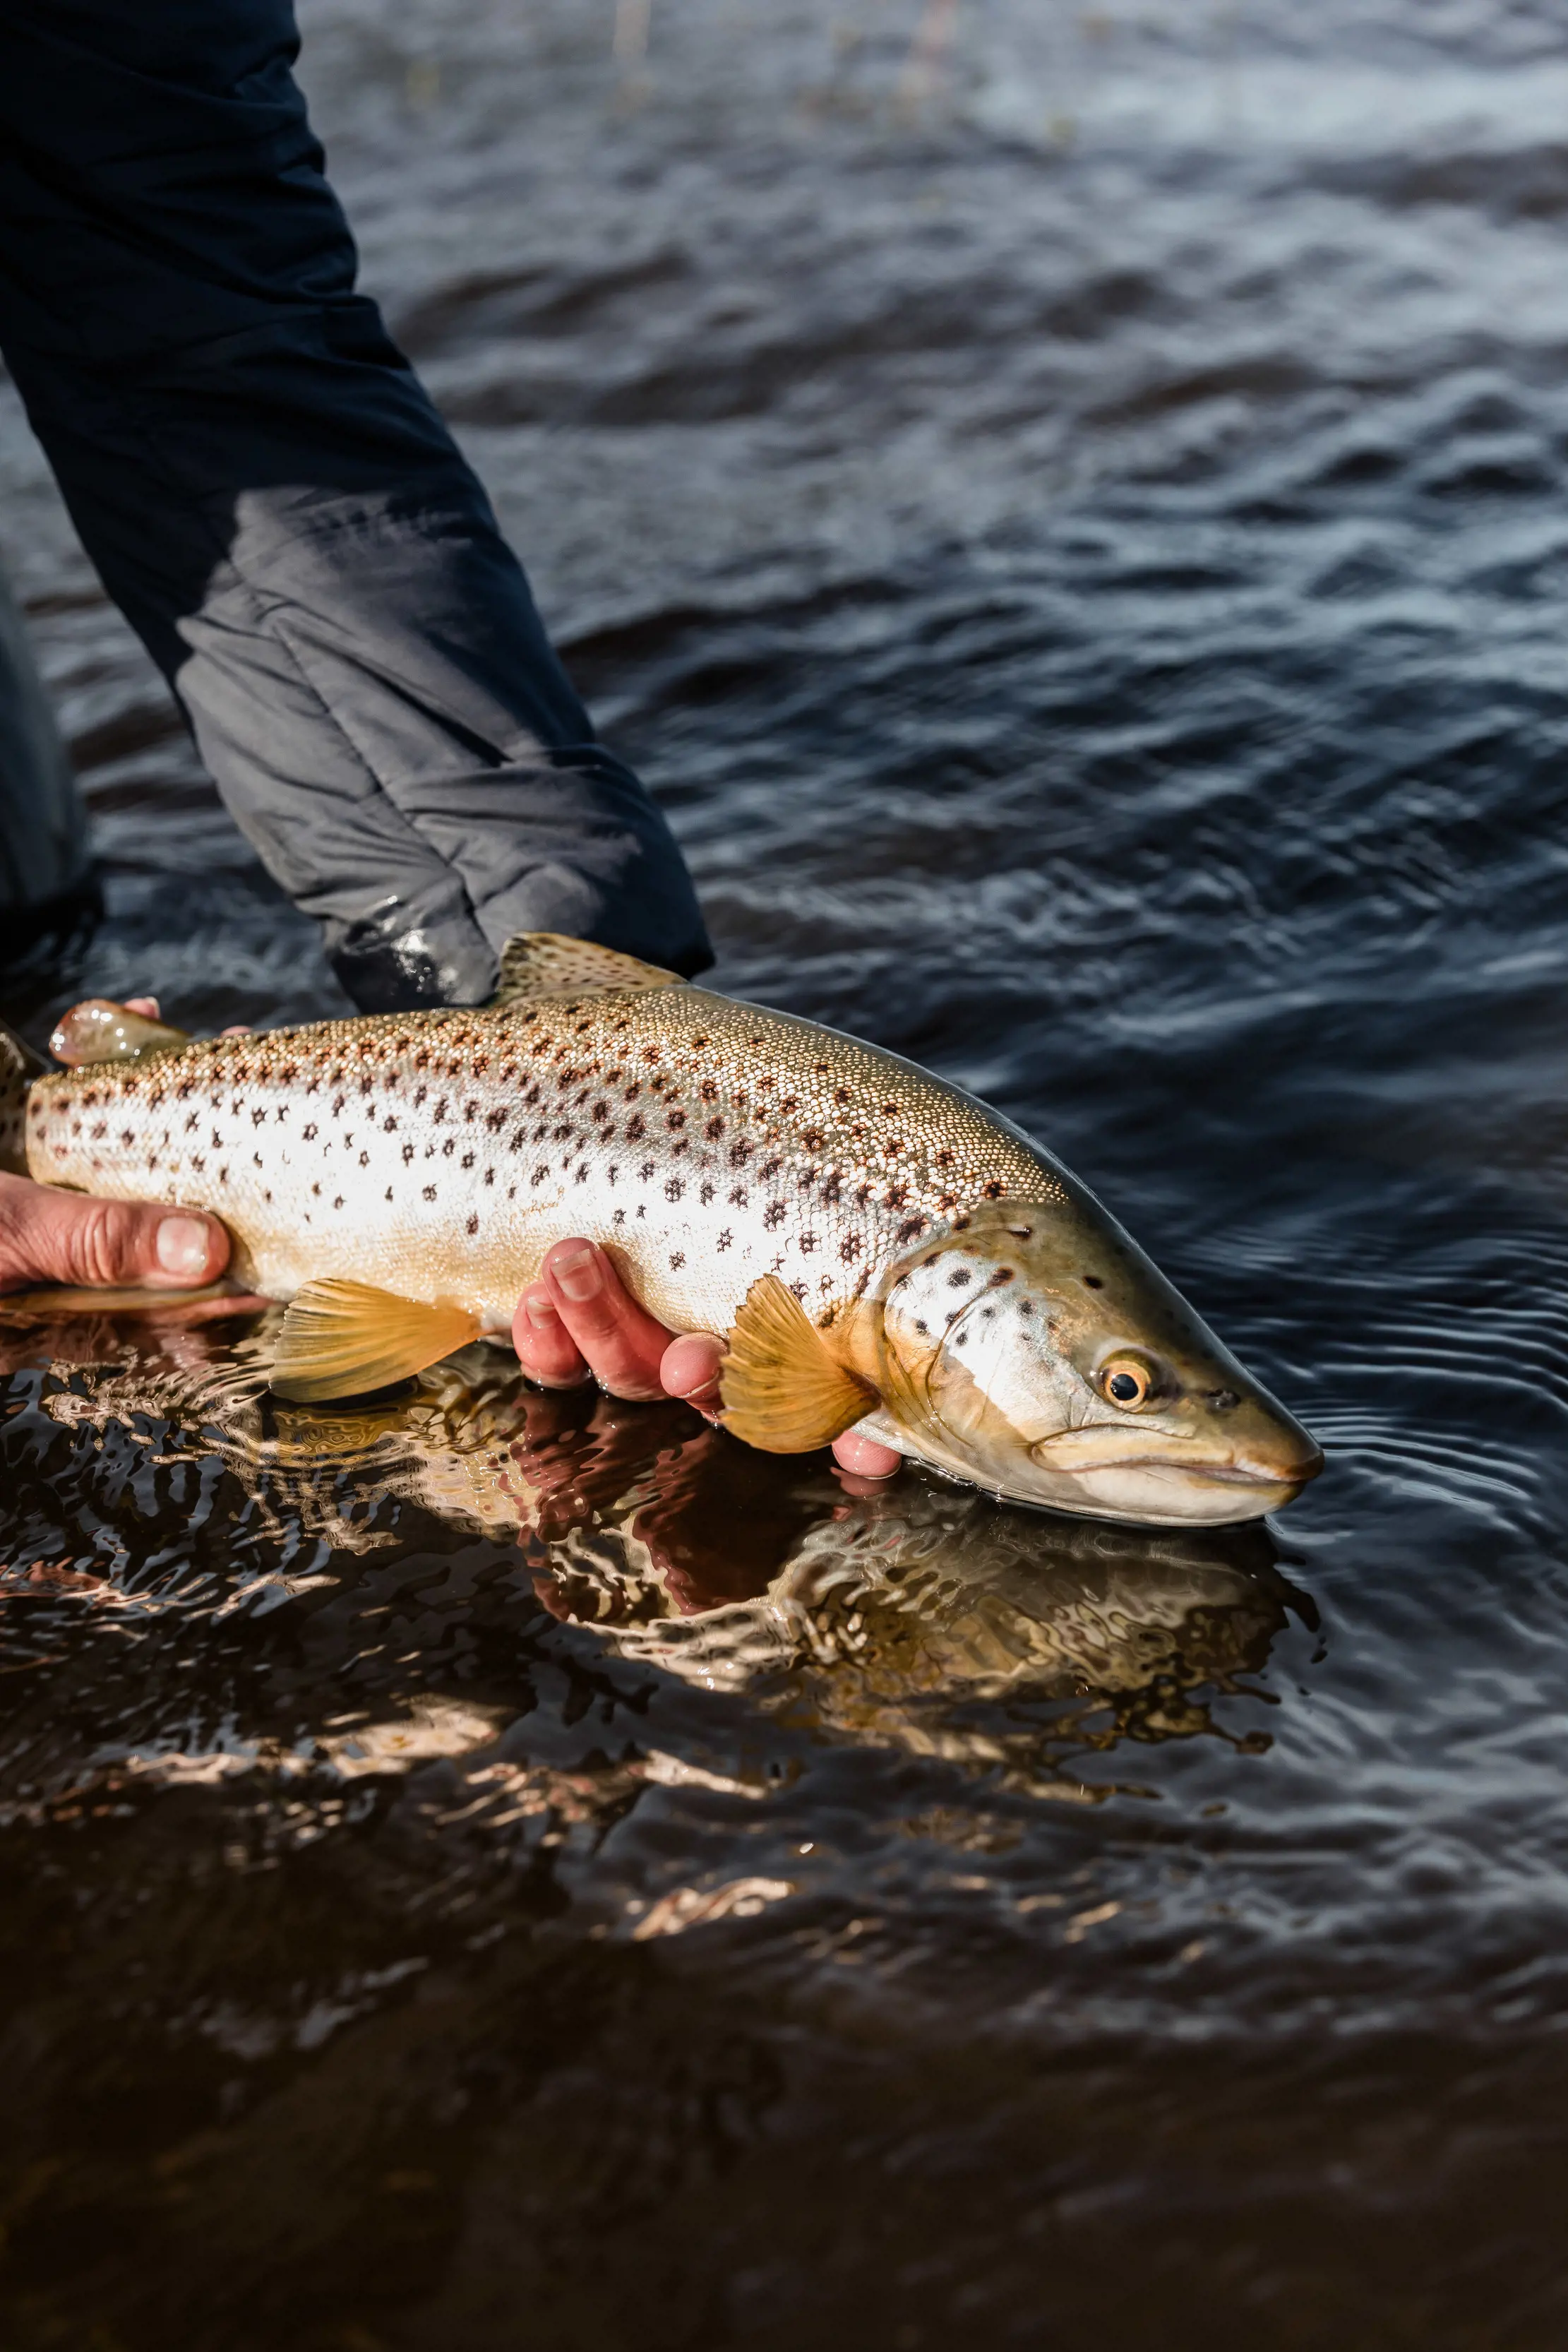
(337, 1104)
(773, 1216)
(911, 1229)
(739, 1153)
(472, 1226)
(338, 1201)
(676, 1118)
(677, 1259)
(1003, 1274)
(959, 1277)
(449, 1147)
(714, 1129)
(467, 1159)
(644, 1173)
(768, 1169)
(739, 1197)
(674, 1189)
(540, 1176)
(389, 1127)
(895, 1196)
(923, 1329)
(1222, 1399)
(389, 1193)
(808, 1242)
(1092, 1282)
(705, 1195)
(723, 1239)
(851, 1247)
(799, 1290)
(636, 1128)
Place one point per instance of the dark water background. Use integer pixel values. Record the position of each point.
(1068, 507)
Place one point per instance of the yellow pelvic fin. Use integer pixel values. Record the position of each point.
(783, 1388)
(99, 1030)
(546, 963)
(344, 1339)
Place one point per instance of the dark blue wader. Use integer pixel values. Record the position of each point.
(273, 502)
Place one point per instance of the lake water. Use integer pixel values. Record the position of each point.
(1067, 507)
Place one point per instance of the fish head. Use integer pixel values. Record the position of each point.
(1033, 1349)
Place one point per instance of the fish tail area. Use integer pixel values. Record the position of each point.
(783, 1388)
(346, 1339)
(19, 1065)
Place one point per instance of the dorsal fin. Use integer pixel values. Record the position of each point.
(784, 1390)
(546, 963)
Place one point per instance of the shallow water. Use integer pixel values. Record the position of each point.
(1068, 510)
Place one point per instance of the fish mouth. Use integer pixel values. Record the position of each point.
(1098, 1448)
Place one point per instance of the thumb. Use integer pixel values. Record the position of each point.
(48, 1235)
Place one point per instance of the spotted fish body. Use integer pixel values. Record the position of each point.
(439, 1154)
(723, 1154)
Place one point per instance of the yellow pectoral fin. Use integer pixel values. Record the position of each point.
(783, 1388)
(546, 963)
(344, 1339)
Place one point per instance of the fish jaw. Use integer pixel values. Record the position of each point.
(1158, 1489)
(1147, 1485)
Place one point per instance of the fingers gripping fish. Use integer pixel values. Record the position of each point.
(879, 1250)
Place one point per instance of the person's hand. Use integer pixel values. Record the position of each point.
(48, 1235)
(579, 1322)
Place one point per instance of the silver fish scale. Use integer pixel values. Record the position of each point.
(439, 1155)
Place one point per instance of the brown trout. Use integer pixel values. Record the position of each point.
(879, 1250)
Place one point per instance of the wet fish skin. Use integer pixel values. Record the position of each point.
(944, 1259)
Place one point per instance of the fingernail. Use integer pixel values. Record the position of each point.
(541, 1308)
(184, 1245)
(578, 1274)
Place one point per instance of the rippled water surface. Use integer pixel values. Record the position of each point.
(1068, 508)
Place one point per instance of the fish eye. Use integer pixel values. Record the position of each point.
(1126, 1382)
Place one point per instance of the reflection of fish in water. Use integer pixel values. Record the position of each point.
(887, 1616)
(879, 1249)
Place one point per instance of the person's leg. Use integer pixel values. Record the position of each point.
(46, 868)
(271, 498)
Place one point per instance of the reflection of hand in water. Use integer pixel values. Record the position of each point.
(719, 1519)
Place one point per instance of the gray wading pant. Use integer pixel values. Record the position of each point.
(273, 502)
(46, 871)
